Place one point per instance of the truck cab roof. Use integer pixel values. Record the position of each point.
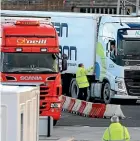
(29, 33)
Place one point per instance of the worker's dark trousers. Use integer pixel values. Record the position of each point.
(83, 94)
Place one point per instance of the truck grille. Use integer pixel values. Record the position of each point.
(44, 90)
(134, 74)
(132, 81)
(44, 104)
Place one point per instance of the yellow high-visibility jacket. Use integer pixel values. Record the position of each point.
(81, 77)
(116, 132)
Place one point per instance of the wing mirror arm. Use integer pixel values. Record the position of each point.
(64, 63)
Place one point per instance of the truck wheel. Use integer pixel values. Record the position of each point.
(74, 89)
(106, 93)
(54, 122)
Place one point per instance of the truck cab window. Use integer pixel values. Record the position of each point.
(112, 51)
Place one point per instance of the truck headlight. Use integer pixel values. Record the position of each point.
(120, 85)
(55, 105)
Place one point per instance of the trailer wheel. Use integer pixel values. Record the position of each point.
(106, 93)
(54, 122)
(74, 89)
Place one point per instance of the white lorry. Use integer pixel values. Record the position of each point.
(87, 38)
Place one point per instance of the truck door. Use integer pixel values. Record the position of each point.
(110, 54)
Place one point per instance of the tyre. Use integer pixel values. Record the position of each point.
(107, 93)
(74, 89)
(54, 122)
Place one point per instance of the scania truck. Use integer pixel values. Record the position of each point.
(87, 38)
(30, 54)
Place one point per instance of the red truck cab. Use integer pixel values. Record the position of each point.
(29, 53)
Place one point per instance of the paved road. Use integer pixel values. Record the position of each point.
(92, 129)
(132, 113)
(85, 133)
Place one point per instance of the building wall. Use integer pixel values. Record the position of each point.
(89, 3)
(100, 6)
(84, 6)
(40, 5)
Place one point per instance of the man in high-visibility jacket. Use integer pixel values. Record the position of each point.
(116, 132)
(82, 81)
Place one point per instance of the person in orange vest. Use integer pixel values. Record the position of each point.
(116, 132)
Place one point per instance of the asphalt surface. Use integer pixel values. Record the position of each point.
(89, 129)
(84, 133)
(131, 112)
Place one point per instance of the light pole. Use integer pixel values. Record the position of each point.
(118, 7)
(123, 7)
(137, 7)
(123, 2)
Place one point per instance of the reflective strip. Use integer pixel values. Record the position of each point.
(80, 76)
(116, 140)
(123, 132)
(109, 134)
(83, 82)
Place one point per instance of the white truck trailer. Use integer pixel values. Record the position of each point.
(86, 38)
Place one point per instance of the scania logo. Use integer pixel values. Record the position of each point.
(30, 78)
(23, 41)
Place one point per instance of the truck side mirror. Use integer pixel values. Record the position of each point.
(64, 62)
(107, 49)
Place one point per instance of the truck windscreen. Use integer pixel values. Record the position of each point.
(131, 47)
(29, 63)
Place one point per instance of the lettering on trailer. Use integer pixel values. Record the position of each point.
(60, 27)
(137, 33)
(30, 78)
(24, 41)
(70, 50)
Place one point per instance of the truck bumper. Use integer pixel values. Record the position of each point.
(53, 112)
(119, 95)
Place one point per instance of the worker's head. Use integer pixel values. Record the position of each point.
(112, 45)
(80, 65)
(114, 119)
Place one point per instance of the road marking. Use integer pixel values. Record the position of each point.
(86, 126)
(137, 128)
